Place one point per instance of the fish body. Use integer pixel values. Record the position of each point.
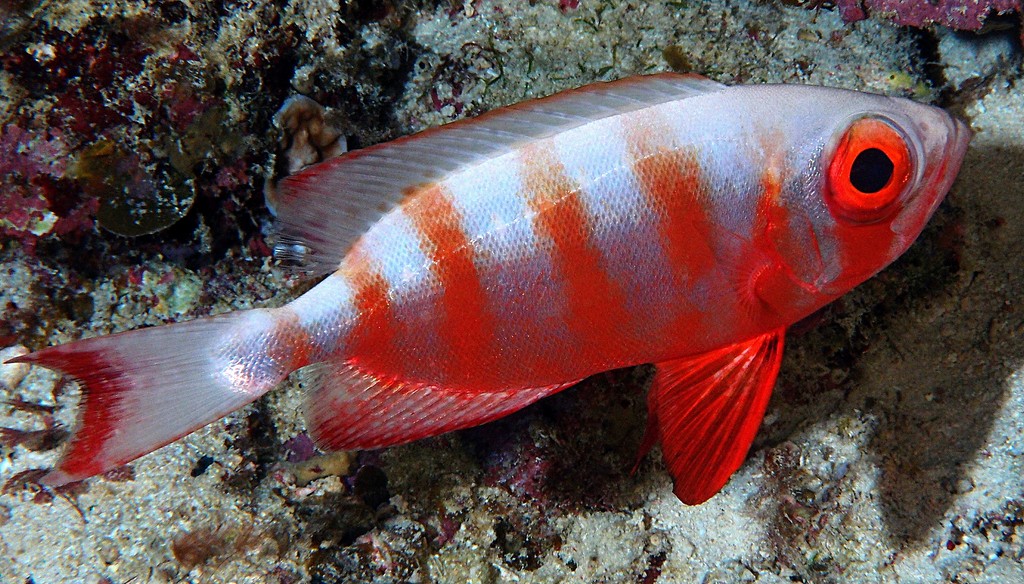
(663, 219)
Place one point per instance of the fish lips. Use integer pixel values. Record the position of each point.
(945, 149)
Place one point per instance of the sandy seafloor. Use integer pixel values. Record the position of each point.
(893, 448)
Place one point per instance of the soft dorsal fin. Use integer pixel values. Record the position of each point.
(348, 409)
(324, 208)
(706, 409)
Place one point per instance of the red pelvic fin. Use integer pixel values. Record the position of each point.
(706, 410)
(349, 409)
(146, 388)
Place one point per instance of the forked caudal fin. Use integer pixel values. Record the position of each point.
(146, 388)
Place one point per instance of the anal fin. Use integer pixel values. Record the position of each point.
(706, 409)
(349, 409)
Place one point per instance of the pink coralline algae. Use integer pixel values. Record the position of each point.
(568, 5)
(960, 15)
(34, 197)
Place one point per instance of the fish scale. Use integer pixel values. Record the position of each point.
(661, 219)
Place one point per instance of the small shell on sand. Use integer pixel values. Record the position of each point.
(11, 374)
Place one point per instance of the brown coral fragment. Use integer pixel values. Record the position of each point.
(332, 464)
(35, 440)
(200, 546)
(307, 137)
(22, 405)
(24, 480)
(194, 548)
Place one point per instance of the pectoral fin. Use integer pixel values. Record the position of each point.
(706, 409)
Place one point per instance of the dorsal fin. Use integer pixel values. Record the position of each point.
(324, 208)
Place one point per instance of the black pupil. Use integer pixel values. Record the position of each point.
(871, 171)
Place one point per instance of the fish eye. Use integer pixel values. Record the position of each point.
(869, 171)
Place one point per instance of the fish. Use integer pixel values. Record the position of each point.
(472, 269)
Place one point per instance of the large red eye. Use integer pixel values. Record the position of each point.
(869, 170)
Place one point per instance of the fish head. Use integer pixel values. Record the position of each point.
(873, 170)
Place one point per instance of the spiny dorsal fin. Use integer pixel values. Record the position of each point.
(324, 208)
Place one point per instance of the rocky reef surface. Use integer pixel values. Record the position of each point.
(136, 139)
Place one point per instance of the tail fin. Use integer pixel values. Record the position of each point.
(146, 388)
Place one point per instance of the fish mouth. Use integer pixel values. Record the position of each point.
(956, 146)
(949, 152)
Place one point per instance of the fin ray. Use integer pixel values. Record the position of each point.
(706, 410)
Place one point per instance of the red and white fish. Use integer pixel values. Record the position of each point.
(478, 267)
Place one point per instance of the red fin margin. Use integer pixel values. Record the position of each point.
(706, 409)
(349, 409)
(145, 388)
